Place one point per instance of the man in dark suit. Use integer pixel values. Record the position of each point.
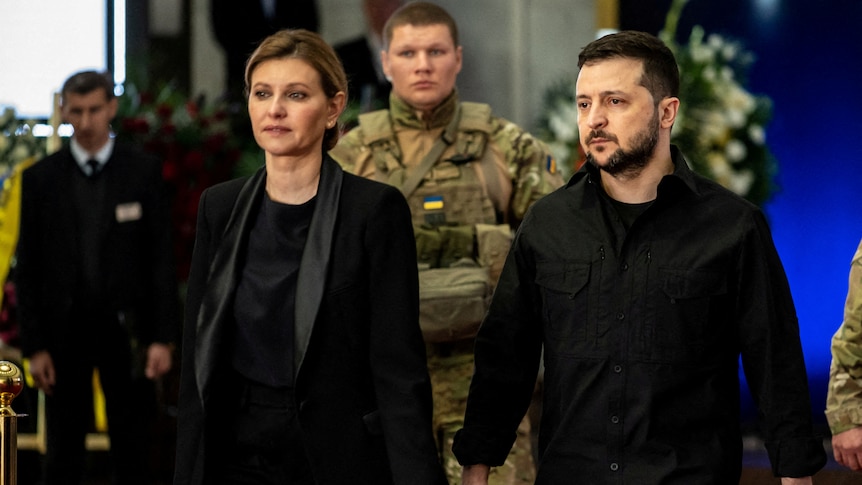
(97, 286)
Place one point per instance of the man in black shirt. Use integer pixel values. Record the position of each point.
(643, 283)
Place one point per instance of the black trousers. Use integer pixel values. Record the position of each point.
(265, 441)
(100, 342)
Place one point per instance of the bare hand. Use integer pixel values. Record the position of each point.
(847, 447)
(159, 360)
(475, 474)
(42, 370)
(796, 481)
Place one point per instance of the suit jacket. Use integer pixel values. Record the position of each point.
(362, 388)
(135, 250)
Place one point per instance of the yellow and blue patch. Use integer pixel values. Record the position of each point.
(433, 202)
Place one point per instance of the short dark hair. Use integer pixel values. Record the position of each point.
(419, 14)
(660, 71)
(85, 82)
(310, 47)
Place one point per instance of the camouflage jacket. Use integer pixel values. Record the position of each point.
(525, 169)
(844, 398)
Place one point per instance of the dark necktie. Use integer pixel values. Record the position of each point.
(94, 166)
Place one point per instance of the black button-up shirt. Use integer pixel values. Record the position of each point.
(642, 330)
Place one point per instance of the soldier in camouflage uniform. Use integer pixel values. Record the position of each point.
(844, 399)
(469, 177)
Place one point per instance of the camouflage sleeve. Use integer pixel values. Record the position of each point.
(531, 165)
(844, 397)
(352, 154)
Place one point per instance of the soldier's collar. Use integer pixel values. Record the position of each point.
(404, 114)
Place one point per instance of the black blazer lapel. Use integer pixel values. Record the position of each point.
(223, 275)
(311, 280)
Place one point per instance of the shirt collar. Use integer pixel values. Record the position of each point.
(81, 155)
(682, 175)
(406, 115)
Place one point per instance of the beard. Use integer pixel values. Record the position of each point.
(629, 162)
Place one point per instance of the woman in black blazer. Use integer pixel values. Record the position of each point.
(303, 362)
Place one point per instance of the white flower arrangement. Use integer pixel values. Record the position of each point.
(720, 127)
(17, 142)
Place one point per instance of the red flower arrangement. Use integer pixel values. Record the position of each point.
(197, 150)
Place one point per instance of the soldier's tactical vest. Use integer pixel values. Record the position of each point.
(462, 189)
(455, 208)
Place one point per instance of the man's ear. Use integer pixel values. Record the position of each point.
(668, 109)
(384, 63)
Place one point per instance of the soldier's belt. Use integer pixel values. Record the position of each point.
(452, 245)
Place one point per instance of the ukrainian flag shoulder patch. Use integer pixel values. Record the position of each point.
(433, 202)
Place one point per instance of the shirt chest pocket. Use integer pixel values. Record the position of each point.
(565, 297)
(688, 312)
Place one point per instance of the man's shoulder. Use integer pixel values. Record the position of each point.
(349, 146)
(372, 127)
(516, 142)
(559, 198)
(62, 154)
(509, 130)
(49, 163)
(715, 194)
(127, 151)
(122, 147)
(476, 116)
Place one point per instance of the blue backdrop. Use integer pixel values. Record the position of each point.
(809, 61)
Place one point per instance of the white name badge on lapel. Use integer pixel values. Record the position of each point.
(130, 211)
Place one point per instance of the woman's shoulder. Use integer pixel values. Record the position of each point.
(221, 197)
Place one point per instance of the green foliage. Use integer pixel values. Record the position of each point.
(17, 142)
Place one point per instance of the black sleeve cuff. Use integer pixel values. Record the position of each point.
(477, 445)
(796, 457)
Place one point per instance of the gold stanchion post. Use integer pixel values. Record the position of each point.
(11, 384)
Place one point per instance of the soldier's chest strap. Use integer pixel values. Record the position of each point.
(468, 129)
(415, 176)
